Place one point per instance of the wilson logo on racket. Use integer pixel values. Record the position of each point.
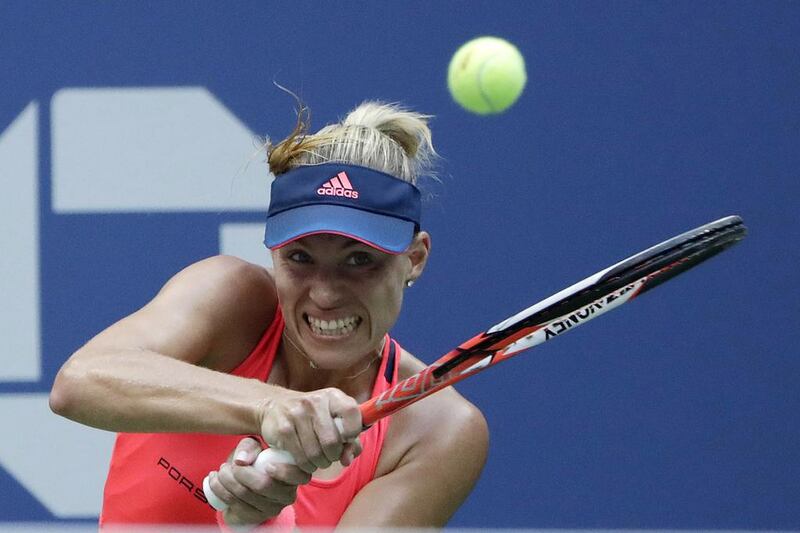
(339, 185)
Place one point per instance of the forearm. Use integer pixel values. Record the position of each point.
(140, 391)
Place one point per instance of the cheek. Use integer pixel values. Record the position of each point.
(387, 305)
(287, 294)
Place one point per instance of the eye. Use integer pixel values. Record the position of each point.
(299, 256)
(360, 259)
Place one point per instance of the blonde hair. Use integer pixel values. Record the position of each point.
(385, 137)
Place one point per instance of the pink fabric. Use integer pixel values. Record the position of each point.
(322, 503)
(156, 478)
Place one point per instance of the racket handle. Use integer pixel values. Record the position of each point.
(267, 456)
(211, 497)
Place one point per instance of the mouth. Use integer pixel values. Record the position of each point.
(334, 328)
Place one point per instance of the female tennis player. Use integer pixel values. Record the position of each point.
(228, 349)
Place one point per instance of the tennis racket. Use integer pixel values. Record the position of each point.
(543, 321)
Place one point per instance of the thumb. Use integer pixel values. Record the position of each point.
(350, 451)
(246, 452)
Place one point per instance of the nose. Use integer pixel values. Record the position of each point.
(326, 291)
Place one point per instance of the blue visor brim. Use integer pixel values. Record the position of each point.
(385, 233)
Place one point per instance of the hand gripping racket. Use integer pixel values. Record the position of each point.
(553, 316)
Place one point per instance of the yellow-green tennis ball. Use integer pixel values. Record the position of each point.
(486, 75)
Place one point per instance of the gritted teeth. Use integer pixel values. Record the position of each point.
(333, 328)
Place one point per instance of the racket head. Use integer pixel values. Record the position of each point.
(644, 271)
(679, 253)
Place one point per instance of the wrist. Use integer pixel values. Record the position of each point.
(262, 407)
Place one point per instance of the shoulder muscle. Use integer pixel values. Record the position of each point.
(199, 313)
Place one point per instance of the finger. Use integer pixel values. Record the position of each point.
(232, 490)
(269, 490)
(350, 451)
(288, 474)
(289, 441)
(311, 445)
(330, 440)
(346, 408)
(219, 489)
(246, 451)
(231, 478)
(303, 414)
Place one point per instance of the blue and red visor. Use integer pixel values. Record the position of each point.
(369, 206)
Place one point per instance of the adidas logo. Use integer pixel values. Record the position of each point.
(338, 186)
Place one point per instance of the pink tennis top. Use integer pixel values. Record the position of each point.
(157, 478)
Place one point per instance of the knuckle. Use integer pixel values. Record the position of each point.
(311, 400)
(285, 429)
(298, 410)
(336, 394)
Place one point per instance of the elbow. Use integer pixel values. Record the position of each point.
(58, 403)
(65, 389)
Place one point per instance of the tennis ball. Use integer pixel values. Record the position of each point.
(486, 75)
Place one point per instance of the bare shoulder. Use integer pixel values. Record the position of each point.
(222, 279)
(237, 298)
(429, 431)
(221, 288)
(211, 313)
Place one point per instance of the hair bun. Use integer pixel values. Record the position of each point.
(386, 137)
(407, 128)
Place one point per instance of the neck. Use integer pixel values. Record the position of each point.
(301, 373)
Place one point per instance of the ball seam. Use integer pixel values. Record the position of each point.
(484, 96)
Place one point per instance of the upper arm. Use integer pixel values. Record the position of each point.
(434, 476)
(196, 313)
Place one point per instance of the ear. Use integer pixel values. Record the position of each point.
(417, 253)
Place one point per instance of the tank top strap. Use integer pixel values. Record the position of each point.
(388, 370)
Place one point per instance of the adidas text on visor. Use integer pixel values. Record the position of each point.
(369, 206)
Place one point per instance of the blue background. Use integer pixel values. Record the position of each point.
(640, 120)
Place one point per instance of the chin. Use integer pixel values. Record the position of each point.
(335, 353)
